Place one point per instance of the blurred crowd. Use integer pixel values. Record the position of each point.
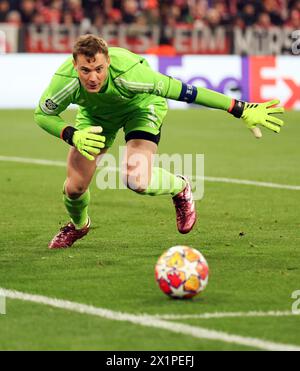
(265, 13)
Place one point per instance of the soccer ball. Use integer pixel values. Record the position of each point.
(181, 272)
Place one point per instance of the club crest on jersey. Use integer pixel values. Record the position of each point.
(50, 105)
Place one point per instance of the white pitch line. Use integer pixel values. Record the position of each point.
(227, 315)
(251, 182)
(150, 321)
(206, 178)
(34, 161)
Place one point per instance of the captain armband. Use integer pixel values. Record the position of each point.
(188, 93)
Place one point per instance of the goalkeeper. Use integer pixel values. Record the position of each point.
(116, 89)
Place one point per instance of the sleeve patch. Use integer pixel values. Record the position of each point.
(50, 105)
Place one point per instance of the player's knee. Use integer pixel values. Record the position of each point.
(136, 182)
(74, 191)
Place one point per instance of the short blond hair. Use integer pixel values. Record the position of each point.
(90, 45)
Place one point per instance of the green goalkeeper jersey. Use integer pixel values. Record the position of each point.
(131, 86)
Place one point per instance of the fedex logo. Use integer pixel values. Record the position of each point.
(275, 77)
(223, 74)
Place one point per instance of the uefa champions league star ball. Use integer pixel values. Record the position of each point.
(182, 272)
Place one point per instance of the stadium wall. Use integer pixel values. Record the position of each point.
(23, 77)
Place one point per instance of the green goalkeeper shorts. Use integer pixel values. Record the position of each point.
(143, 123)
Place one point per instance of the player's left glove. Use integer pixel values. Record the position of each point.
(255, 114)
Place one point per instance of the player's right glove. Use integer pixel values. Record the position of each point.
(258, 114)
(87, 141)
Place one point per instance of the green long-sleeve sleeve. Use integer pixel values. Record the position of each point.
(56, 98)
(204, 97)
(52, 124)
(213, 99)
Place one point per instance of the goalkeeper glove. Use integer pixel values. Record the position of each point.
(255, 114)
(87, 141)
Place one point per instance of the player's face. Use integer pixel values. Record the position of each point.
(92, 72)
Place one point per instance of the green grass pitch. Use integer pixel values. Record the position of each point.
(113, 267)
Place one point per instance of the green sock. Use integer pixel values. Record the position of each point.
(164, 183)
(78, 209)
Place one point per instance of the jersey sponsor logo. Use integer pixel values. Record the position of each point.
(50, 105)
